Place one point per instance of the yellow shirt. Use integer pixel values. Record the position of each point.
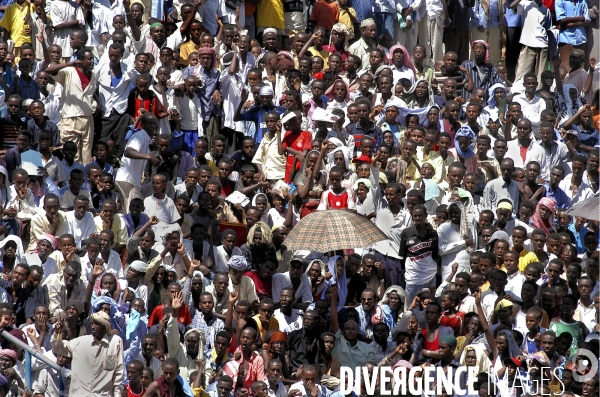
(273, 324)
(118, 228)
(346, 20)
(270, 14)
(14, 21)
(185, 50)
(525, 258)
(323, 54)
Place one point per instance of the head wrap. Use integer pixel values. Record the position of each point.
(491, 99)
(505, 205)
(412, 97)
(238, 262)
(401, 294)
(367, 22)
(169, 268)
(27, 102)
(50, 238)
(19, 334)
(536, 218)
(450, 340)
(278, 336)
(206, 51)
(300, 178)
(286, 62)
(466, 132)
(197, 273)
(77, 304)
(139, 266)
(503, 304)
(199, 332)
(10, 354)
(483, 362)
(497, 235)
(407, 59)
(513, 348)
(155, 24)
(287, 55)
(402, 363)
(364, 181)
(343, 29)
(347, 155)
(102, 319)
(321, 286)
(382, 178)
(330, 91)
(486, 57)
(102, 300)
(264, 229)
(269, 30)
(266, 90)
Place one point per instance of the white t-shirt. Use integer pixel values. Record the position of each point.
(291, 323)
(164, 209)
(80, 229)
(131, 170)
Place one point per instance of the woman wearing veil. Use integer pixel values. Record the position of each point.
(543, 217)
(309, 184)
(420, 95)
(261, 201)
(393, 305)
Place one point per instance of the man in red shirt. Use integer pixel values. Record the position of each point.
(295, 144)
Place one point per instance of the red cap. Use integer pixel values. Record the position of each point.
(363, 158)
(512, 360)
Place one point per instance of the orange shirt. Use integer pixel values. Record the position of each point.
(325, 14)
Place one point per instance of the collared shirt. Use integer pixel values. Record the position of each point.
(362, 50)
(536, 24)
(532, 110)
(483, 77)
(59, 295)
(117, 227)
(68, 168)
(267, 155)
(214, 363)
(182, 189)
(568, 9)
(113, 91)
(40, 225)
(562, 200)
(13, 20)
(515, 282)
(97, 367)
(322, 391)
(77, 101)
(359, 133)
(256, 369)
(352, 356)
(280, 390)
(210, 329)
(257, 114)
(548, 159)
(497, 189)
(525, 258)
(580, 193)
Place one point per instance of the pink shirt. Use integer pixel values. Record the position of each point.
(255, 372)
(470, 163)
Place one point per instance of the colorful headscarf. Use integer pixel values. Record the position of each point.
(10, 354)
(330, 91)
(407, 59)
(536, 218)
(466, 132)
(341, 28)
(486, 58)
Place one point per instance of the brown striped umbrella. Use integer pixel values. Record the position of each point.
(325, 231)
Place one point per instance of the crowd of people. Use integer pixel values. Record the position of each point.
(155, 155)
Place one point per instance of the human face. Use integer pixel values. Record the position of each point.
(432, 314)
(270, 41)
(530, 85)
(274, 371)
(368, 301)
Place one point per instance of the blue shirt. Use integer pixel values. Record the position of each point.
(363, 8)
(479, 17)
(29, 90)
(513, 20)
(562, 200)
(8, 78)
(586, 137)
(108, 169)
(579, 236)
(258, 114)
(568, 9)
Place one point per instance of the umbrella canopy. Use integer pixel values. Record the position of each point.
(325, 231)
(588, 209)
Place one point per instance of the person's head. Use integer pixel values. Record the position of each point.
(368, 30)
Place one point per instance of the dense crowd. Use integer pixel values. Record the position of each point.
(155, 155)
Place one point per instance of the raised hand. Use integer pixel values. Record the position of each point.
(177, 302)
(233, 296)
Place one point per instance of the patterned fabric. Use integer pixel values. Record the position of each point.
(314, 232)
